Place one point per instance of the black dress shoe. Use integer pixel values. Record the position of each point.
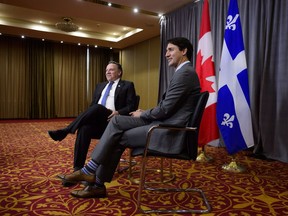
(68, 184)
(90, 192)
(58, 135)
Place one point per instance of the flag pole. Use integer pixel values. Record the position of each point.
(233, 166)
(203, 157)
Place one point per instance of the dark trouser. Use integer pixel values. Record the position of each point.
(94, 115)
(90, 124)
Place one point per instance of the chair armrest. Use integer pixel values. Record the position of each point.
(172, 127)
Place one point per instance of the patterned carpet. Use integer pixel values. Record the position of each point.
(30, 160)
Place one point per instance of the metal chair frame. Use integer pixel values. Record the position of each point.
(143, 185)
(189, 154)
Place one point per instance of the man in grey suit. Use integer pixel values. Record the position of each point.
(119, 100)
(130, 131)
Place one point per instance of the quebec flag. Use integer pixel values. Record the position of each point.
(233, 107)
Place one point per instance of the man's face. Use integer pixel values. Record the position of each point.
(112, 72)
(174, 56)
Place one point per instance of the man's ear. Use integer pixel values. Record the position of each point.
(184, 51)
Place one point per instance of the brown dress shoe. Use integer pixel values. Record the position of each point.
(90, 192)
(76, 177)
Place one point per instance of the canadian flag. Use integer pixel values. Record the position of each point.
(208, 132)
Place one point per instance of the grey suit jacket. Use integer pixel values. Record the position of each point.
(174, 108)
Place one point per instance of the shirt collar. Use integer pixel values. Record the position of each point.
(116, 81)
(179, 66)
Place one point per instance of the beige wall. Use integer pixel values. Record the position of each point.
(141, 64)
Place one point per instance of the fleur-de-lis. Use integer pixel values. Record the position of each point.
(230, 24)
(228, 120)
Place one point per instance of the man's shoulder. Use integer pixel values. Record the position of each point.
(187, 68)
(126, 82)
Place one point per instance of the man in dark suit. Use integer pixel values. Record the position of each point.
(119, 100)
(175, 107)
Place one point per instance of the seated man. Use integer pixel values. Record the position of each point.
(119, 100)
(175, 107)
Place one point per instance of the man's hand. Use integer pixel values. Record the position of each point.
(136, 113)
(112, 114)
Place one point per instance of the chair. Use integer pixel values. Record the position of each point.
(189, 153)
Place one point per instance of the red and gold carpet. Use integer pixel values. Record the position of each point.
(30, 160)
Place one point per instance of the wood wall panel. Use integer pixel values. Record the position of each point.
(141, 64)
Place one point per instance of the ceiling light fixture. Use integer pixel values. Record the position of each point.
(67, 25)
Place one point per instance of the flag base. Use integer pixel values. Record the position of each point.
(202, 157)
(233, 167)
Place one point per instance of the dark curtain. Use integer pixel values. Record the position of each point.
(98, 60)
(70, 63)
(46, 79)
(39, 65)
(14, 78)
(265, 30)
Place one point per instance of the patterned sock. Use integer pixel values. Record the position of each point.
(90, 168)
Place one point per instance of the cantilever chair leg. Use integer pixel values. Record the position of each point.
(188, 153)
(143, 185)
(165, 175)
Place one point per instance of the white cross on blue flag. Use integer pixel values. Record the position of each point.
(233, 106)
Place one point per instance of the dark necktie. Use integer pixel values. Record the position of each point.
(103, 102)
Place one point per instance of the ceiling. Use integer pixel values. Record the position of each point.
(115, 26)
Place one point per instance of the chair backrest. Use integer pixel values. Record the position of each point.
(200, 104)
(192, 138)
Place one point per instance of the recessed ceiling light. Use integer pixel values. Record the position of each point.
(79, 44)
(95, 46)
(43, 39)
(61, 42)
(22, 36)
(114, 5)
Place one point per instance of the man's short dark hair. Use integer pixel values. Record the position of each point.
(118, 65)
(182, 43)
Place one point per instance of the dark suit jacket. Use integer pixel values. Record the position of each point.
(125, 96)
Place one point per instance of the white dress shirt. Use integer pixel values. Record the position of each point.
(110, 100)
